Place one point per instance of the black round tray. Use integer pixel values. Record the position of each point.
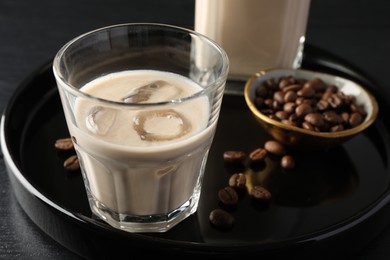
(332, 202)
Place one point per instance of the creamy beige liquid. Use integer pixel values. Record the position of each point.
(142, 162)
(256, 34)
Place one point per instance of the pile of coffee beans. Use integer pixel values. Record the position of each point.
(229, 195)
(310, 104)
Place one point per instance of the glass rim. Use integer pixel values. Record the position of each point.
(220, 80)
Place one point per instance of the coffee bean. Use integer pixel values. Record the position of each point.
(228, 196)
(288, 122)
(221, 218)
(306, 92)
(237, 180)
(272, 85)
(287, 162)
(274, 147)
(286, 81)
(303, 109)
(292, 88)
(281, 115)
(337, 128)
(261, 193)
(234, 156)
(335, 101)
(261, 91)
(290, 96)
(64, 144)
(317, 84)
(322, 105)
(332, 117)
(279, 96)
(315, 119)
(355, 119)
(72, 163)
(306, 125)
(289, 107)
(258, 155)
(359, 109)
(345, 116)
(276, 105)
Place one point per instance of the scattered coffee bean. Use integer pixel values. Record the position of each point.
(258, 155)
(309, 100)
(221, 218)
(72, 163)
(64, 144)
(237, 180)
(274, 147)
(228, 196)
(234, 156)
(287, 162)
(261, 193)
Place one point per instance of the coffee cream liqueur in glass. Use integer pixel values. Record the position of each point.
(145, 156)
(256, 34)
(142, 104)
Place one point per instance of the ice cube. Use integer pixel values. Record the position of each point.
(155, 91)
(160, 125)
(143, 93)
(100, 120)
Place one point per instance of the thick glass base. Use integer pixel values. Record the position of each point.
(146, 223)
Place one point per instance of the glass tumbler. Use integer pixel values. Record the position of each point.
(141, 102)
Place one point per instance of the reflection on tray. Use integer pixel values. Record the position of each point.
(315, 180)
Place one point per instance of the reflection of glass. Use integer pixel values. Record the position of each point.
(320, 178)
(256, 34)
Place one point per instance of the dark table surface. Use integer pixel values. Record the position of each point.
(31, 32)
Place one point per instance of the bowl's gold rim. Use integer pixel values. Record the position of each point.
(349, 132)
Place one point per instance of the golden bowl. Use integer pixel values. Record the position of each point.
(299, 137)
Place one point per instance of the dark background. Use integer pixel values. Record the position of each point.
(31, 32)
